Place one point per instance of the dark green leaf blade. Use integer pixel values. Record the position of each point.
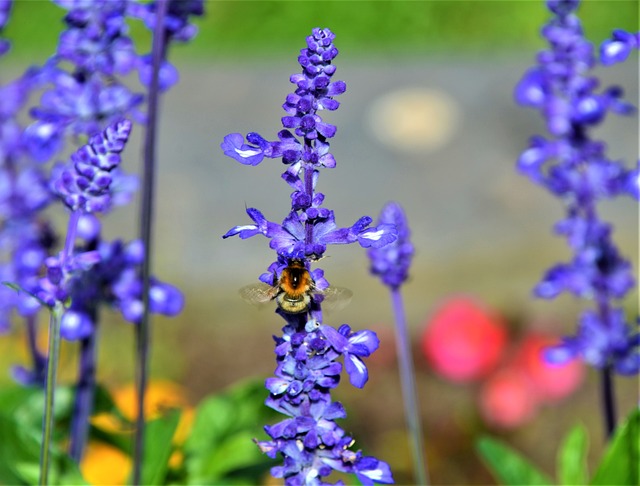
(620, 464)
(508, 466)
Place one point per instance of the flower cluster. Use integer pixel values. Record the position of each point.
(113, 280)
(25, 238)
(573, 166)
(97, 45)
(309, 227)
(83, 101)
(310, 441)
(391, 262)
(84, 184)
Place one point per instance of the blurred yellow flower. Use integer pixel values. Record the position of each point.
(100, 464)
(105, 464)
(161, 396)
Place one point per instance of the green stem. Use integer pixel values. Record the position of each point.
(52, 369)
(409, 393)
(143, 332)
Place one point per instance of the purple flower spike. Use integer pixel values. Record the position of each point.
(309, 440)
(84, 184)
(391, 262)
(575, 168)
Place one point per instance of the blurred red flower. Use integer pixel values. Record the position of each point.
(507, 398)
(463, 340)
(510, 396)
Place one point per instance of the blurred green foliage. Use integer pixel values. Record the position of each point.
(618, 465)
(259, 29)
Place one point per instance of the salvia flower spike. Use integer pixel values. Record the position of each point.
(309, 439)
(575, 168)
(391, 264)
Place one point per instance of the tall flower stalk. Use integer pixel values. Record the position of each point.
(575, 168)
(391, 263)
(169, 21)
(146, 225)
(84, 185)
(309, 440)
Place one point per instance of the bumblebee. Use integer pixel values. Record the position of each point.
(293, 290)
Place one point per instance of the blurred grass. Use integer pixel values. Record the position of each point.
(267, 29)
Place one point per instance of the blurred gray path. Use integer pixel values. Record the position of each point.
(439, 137)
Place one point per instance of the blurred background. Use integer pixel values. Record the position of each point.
(428, 120)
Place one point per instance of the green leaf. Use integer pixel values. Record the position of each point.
(13, 397)
(620, 464)
(69, 472)
(234, 453)
(158, 447)
(572, 460)
(20, 457)
(220, 447)
(17, 452)
(29, 413)
(508, 466)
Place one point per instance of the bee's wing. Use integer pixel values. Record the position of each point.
(259, 293)
(335, 298)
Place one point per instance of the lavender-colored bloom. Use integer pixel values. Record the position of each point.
(391, 262)
(291, 238)
(84, 184)
(312, 444)
(354, 347)
(309, 439)
(574, 167)
(618, 48)
(96, 37)
(113, 280)
(86, 99)
(25, 238)
(79, 106)
(599, 343)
